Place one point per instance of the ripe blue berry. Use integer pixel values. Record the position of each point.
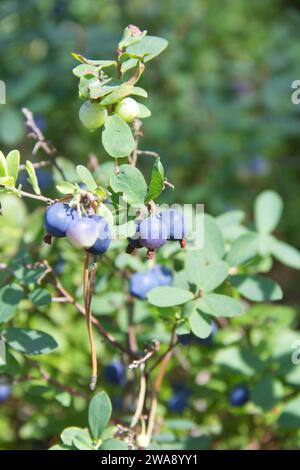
(178, 402)
(142, 283)
(58, 218)
(239, 395)
(175, 223)
(82, 233)
(134, 242)
(115, 373)
(185, 339)
(153, 232)
(103, 236)
(5, 391)
(163, 275)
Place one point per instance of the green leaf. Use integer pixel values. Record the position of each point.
(214, 275)
(194, 267)
(7, 181)
(131, 183)
(86, 177)
(32, 177)
(169, 296)
(144, 112)
(95, 89)
(200, 324)
(85, 69)
(290, 416)
(157, 181)
(68, 434)
(3, 165)
(66, 188)
(99, 414)
(220, 305)
(239, 360)
(267, 392)
(13, 164)
(113, 444)
(109, 432)
(40, 297)
(82, 442)
(149, 46)
(286, 254)
(243, 249)
(99, 63)
(117, 138)
(257, 288)
(27, 341)
(10, 297)
(268, 209)
(214, 246)
(121, 92)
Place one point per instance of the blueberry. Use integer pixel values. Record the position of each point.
(259, 165)
(58, 219)
(178, 401)
(142, 283)
(59, 267)
(134, 242)
(185, 339)
(115, 373)
(83, 232)
(153, 232)
(163, 275)
(103, 236)
(239, 395)
(5, 391)
(175, 223)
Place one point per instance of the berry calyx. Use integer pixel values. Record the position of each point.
(92, 115)
(82, 233)
(103, 236)
(127, 109)
(153, 232)
(58, 218)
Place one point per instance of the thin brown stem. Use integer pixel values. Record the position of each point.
(88, 292)
(137, 125)
(164, 362)
(141, 397)
(38, 197)
(81, 309)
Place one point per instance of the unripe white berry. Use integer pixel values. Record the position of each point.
(92, 115)
(143, 440)
(127, 109)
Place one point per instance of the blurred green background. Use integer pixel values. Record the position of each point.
(220, 96)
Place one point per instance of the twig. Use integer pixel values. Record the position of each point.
(36, 165)
(148, 153)
(131, 327)
(137, 125)
(164, 360)
(89, 324)
(80, 308)
(38, 197)
(149, 351)
(141, 397)
(36, 134)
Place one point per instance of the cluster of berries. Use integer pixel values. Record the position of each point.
(90, 232)
(93, 115)
(154, 231)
